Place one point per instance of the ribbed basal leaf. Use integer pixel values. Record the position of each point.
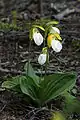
(12, 82)
(31, 73)
(29, 87)
(54, 85)
(71, 104)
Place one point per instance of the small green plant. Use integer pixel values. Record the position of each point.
(41, 89)
(44, 88)
(12, 25)
(14, 17)
(9, 26)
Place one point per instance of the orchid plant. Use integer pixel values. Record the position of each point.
(44, 88)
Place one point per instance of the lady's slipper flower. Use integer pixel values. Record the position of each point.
(38, 38)
(56, 45)
(42, 59)
(55, 30)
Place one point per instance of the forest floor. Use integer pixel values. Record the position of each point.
(14, 54)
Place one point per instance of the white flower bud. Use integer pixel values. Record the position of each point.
(42, 59)
(56, 45)
(55, 29)
(38, 38)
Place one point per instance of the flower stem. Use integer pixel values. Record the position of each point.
(45, 36)
(41, 71)
(29, 57)
(46, 61)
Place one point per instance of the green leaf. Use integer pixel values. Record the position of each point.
(40, 27)
(57, 115)
(29, 88)
(71, 104)
(54, 85)
(31, 73)
(12, 82)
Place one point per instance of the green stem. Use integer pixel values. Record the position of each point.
(45, 36)
(28, 57)
(41, 71)
(46, 62)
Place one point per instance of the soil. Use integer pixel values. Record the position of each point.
(14, 54)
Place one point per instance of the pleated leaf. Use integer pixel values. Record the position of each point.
(29, 88)
(12, 82)
(54, 85)
(31, 73)
(71, 104)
